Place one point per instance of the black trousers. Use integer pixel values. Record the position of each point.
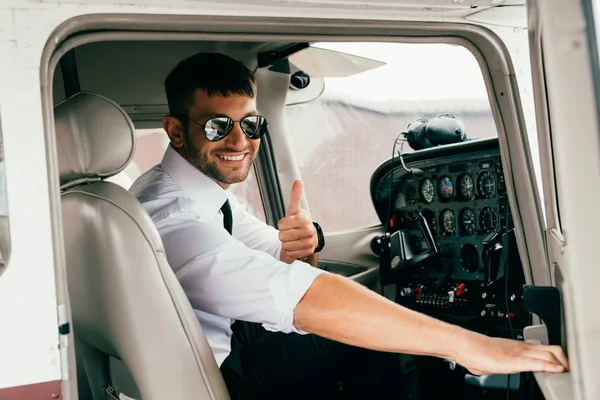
(274, 365)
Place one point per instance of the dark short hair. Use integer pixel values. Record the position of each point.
(214, 73)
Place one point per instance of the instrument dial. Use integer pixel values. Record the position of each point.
(427, 190)
(486, 184)
(445, 187)
(488, 220)
(466, 186)
(469, 257)
(447, 222)
(468, 221)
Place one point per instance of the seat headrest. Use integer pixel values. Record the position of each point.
(95, 138)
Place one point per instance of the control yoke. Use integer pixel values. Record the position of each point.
(398, 255)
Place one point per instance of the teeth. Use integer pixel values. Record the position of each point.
(233, 158)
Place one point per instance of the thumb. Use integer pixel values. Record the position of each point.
(295, 199)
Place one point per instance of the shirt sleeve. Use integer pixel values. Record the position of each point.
(253, 232)
(223, 276)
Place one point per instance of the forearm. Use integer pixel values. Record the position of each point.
(340, 309)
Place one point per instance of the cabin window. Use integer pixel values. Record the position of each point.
(4, 228)
(150, 148)
(341, 137)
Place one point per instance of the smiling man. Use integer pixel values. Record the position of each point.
(254, 288)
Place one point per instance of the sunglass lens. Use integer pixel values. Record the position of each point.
(217, 128)
(254, 126)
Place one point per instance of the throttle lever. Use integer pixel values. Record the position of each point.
(494, 381)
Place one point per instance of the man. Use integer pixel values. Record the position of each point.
(235, 268)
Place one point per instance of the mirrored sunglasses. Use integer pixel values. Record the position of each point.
(217, 128)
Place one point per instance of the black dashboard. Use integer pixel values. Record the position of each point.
(449, 245)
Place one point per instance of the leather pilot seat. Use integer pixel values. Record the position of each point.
(134, 327)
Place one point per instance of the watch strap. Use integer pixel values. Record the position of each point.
(320, 237)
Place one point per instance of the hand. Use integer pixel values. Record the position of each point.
(483, 355)
(296, 231)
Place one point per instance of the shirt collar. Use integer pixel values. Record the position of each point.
(192, 181)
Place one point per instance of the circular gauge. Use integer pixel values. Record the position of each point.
(466, 186)
(445, 187)
(488, 219)
(427, 190)
(468, 221)
(486, 184)
(447, 222)
(430, 218)
(469, 257)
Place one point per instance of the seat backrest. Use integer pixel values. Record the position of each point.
(128, 307)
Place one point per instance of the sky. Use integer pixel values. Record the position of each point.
(412, 72)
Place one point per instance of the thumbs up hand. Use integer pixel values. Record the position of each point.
(296, 231)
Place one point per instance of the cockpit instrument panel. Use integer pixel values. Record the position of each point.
(460, 191)
(469, 202)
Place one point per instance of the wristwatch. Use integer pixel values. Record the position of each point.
(320, 237)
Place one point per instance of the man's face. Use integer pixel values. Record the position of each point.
(228, 160)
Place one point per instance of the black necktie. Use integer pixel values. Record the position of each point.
(227, 216)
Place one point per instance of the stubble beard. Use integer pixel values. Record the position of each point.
(211, 169)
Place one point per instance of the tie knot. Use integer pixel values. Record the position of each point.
(227, 216)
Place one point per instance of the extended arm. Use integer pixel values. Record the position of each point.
(342, 310)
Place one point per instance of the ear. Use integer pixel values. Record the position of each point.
(174, 129)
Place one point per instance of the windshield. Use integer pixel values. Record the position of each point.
(347, 132)
(358, 117)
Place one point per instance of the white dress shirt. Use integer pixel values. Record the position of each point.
(225, 277)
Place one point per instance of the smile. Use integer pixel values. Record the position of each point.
(237, 157)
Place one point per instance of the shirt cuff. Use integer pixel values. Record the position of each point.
(288, 288)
